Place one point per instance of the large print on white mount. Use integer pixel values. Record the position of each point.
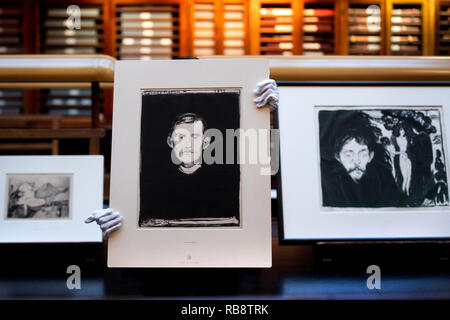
(177, 211)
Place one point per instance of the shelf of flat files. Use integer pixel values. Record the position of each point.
(407, 29)
(11, 42)
(204, 42)
(444, 29)
(364, 28)
(147, 31)
(276, 29)
(234, 29)
(318, 29)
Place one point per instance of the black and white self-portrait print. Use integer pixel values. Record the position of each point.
(178, 188)
(382, 157)
(38, 196)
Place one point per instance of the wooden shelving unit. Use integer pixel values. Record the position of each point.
(442, 28)
(365, 28)
(11, 39)
(408, 28)
(162, 29)
(204, 28)
(60, 36)
(145, 32)
(234, 29)
(11, 42)
(276, 28)
(319, 28)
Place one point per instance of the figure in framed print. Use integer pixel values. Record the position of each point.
(382, 157)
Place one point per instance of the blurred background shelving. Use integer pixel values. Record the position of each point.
(318, 28)
(145, 32)
(275, 29)
(443, 28)
(407, 29)
(365, 28)
(11, 42)
(167, 29)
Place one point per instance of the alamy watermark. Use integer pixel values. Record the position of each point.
(74, 280)
(192, 146)
(74, 17)
(374, 280)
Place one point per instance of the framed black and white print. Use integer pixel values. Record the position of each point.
(47, 198)
(364, 162)
(177, 174)
(39, 196)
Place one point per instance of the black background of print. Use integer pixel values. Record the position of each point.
(378, 187)
(166, 193)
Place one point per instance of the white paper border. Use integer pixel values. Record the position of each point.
(87, 196)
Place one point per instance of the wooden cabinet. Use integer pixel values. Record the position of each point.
(408, 32)
(163, 29)
(204, 28)
(276, 28)
(364, 27)
(147, 31)
(235, 27)
(219, 27)
(11, 42)
(442, 25)
(319, 28)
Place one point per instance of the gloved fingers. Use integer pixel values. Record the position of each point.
(107, 225)
(89, 219)
(268, 99)
(264, 85)
(273, 100)
(108, 217)
(268, 86)
(108, 232)
(264, 96)
(266, 89)
(97, 214)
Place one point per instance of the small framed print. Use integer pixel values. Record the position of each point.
(178, 173)
(47, 198)
(364, 162)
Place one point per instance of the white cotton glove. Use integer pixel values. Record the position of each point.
(107, 219)
(267, 94)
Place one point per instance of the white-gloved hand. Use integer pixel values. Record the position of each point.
(107, 219)
(267, 94)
